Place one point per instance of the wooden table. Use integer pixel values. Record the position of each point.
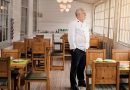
(124, 66)
(22, 68)
(19, 65)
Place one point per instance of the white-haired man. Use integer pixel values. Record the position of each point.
(78, 37)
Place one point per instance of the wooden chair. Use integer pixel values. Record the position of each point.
(28, 47)
(40, 73)
(5, 74)
(38, 52)
(121, 54)
(94, 43)
(57, 43)
(126, 86)
(47, 42)
(91, 55)
(56, 55)
(21, 47)
(66, 49)
(10, 53)
(14, 53)
(105, 73)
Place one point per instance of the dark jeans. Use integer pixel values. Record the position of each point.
(77, 66)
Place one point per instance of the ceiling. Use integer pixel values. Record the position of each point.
(88, 1)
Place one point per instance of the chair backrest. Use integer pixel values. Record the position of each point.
(19, 45)
(93, 54)
(4, 67)
(94, 42)
(10, 53)
(65, 38)
(121, 54)
(38, 46)
(28, 43)
(105, 73)
(5, 72)
(39, 54)
(47, 42)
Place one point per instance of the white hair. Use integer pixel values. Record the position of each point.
(78, 10)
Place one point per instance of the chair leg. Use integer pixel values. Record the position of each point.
(48, 84)
(19, 80)
(93, 85)
(63, 62)
(26, 85)
(87, 83)
(51, 62)
(12, 84)
(15, 84)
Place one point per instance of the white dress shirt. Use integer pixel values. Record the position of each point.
(78, 35)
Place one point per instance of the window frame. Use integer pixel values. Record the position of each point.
(5, 24)
(24, 19)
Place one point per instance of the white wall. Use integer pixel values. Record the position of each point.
(16, 15)
(30, 18)
(17, 18)
(53, 19)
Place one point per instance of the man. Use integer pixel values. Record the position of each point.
(78, 37)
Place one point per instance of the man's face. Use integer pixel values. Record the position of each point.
(81, 16)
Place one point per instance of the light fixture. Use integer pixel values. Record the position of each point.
(62, 10)
(64, 1)
(67, 9)
(2, 7)
(59, 1)
(70, 1)
(64, 5)
(68, 5)
(61, 5)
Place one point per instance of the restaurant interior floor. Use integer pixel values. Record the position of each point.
(59, 79)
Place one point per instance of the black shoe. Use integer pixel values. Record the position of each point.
(74, 87)
(82, 84)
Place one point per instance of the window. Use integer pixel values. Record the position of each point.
(116, 20)
(106, 22)
(34, 16)
(124, 27)
(109, 18)
(99, 19)
(104, 18)
(24, 19)
(4, 28)
(112, 19)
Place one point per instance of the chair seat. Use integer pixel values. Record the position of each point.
(57, 51)
(36, 76)
(38, 56)
(124, 87)
(56, 54)
(124, 75)
(3, 81)
(105, 87)
(58, 43)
